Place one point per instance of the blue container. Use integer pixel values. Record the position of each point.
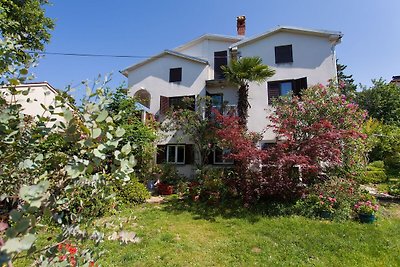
(366, 218)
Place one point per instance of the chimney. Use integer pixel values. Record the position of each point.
(241, 25)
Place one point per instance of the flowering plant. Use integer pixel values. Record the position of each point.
(68, 254)
(368, 207)
(326, 203)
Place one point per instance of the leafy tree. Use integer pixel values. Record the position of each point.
(382, 101)
(346, 82)
(136, 132)
(241, 72)
(320, 134)
(25, 21)
(195, 125)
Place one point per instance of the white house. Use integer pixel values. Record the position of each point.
(34, 99)
(300, 57)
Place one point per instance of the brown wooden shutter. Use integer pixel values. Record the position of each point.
(273, 91)
(189, 154)
(298, 85)
(164, 104)
(210, 157)
(161, 154)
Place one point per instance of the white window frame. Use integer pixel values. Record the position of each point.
(224, 161)
(175, 159)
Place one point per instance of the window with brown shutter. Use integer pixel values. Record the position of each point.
(189, 154)
(280, 88)
(175, 75)
(283, 54)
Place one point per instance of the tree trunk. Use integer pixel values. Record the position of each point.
(243, 105)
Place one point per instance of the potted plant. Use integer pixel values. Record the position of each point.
(366, 210)
(326, 206)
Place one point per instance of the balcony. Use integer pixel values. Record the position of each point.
(217, 83)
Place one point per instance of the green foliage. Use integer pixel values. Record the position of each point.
(375, 173)
(170, 175)
(130, 192)
(241, 72)
(194, 125)
(26, 20)
(21, 235)
(336, 196)
(142, 135)
(346, 82)
(394, 189)
(382, 101)
(384, 143)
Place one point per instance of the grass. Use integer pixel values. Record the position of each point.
(179, 234)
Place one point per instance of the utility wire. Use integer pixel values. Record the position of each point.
(94, 55)
(85, 55)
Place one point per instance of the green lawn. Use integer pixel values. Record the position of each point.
(179, 234)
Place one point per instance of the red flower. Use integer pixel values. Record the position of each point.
(62, 257)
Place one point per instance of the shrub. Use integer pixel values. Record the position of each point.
(374, 173)
(376, 176)
(336, 196)
(379, 164)
(130, 192)
(394, 190)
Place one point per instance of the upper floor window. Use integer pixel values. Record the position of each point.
(220, 59)
(283, 54)
(281, 88)
(175, 75)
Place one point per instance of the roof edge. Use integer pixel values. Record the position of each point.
(326, 33)
(165, 52)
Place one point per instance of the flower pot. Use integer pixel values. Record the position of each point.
(366, 218)
(325, 214)
(165, 189)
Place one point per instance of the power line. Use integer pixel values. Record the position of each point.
(85, 55)
(95, 55)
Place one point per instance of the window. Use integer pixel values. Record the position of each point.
(175, 75)
(267, 145)
(216, 102)
(220, 59)
(283, 54)
(281, 88)
(176, 154)
(182, 102)
(220, 156)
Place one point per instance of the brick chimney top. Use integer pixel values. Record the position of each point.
(241, 25)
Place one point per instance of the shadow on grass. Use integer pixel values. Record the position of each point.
(227, 209)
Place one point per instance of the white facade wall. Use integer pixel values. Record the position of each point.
(313, 57)
(154, 77)
(31, 103)
(205, 50)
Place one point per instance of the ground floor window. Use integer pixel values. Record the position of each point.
(176, 154)
(219, 156)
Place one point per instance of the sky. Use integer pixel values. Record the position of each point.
(370, 46)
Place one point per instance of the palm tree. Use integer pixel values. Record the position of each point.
(241, 72)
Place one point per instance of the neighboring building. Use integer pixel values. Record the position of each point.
(396, 80)
(32, 97)
(300, 57)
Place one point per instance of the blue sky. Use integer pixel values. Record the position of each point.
(370, 46)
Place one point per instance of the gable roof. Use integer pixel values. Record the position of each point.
(165, 52)
(208, 36)
(334, 36)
